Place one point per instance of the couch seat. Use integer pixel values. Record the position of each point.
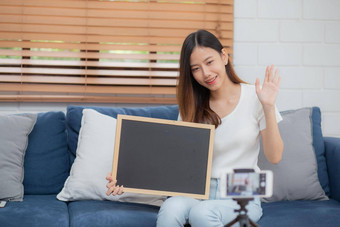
(35, 210)
(304, 213)
(108, 213)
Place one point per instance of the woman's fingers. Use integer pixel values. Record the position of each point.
(121, 190)
(257, 85)
(275, 77)
(112, 187)
(115, 191)
(109, 176)
(110, 190)
(118, 190)
(279, 81)
(266, 76)
(270, 76)
(111, 184)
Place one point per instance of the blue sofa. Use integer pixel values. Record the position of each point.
(51, 152)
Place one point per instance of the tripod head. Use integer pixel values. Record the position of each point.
(243, 202)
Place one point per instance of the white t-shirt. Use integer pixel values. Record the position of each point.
(237, 138)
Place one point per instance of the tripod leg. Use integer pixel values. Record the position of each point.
(243, 220)
(253, 223)
(232, 222)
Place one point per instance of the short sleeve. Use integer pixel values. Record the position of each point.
(262, 120)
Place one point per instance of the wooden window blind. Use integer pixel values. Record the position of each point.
(99, 50)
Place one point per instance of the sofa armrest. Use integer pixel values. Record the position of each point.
(332, 147)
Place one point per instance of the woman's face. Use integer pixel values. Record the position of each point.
(208, 67)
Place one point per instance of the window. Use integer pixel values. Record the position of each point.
(100, 50)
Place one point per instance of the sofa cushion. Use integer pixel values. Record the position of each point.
(332, 148)
(74, 115)
(35, 210)
(14, 131)
(319, 148)
(94, 156)
(47, 159)
(94, 161)
(107, 213)
(296, 175)
(301, 213)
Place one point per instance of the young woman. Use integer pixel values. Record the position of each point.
(209, 91)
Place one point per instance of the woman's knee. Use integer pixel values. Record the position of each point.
(204, 215)
(254, 211)
(175, 211)
(212, 213)
(178, 204)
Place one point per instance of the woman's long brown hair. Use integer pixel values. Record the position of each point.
(193, 98)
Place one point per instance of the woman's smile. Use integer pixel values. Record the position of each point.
(211, 81)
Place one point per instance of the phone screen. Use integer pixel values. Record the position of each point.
(246, 184)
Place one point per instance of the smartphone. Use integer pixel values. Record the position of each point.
(247, 184)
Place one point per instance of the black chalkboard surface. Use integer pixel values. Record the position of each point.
(163, 157)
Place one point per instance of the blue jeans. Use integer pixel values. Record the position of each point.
(215, 212)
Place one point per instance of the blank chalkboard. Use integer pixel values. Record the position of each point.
(163, 157)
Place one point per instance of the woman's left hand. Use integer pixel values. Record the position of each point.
(112, 187)
(270, 88)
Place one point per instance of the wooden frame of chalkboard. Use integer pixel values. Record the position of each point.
(163, 157)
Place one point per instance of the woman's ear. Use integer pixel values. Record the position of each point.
(225, 56)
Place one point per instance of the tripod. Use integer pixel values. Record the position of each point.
(242, 218)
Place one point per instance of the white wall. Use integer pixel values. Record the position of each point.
(301, 37)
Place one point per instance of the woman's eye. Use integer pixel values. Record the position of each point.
(194, 69)
(209, 62)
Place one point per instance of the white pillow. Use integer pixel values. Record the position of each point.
(93, 162)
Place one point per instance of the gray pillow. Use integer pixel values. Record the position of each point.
(14, 131)
(296, 175)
